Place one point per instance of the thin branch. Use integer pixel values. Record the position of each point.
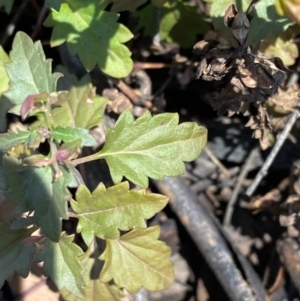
(206, 236)
(237, 189)
(164, 85)
(12, 25)
(217, 162)
(129, 92)
(280, 140)
(156, 37)
(288, 250)
(151, 65)
(40, 20)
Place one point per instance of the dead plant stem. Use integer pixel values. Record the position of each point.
(280, 140)
(244, 172)
(217, 162)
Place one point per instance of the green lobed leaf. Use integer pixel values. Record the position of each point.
(218, 7)
(281, 47)
(15, 256)
(4, 80)
(129, 5)
(69, 134)
(143, 258)
(55, 4)
(95, 290)
(93, 34)
(29, 72)
(22, 223)
(158, 3)
(79, 107)
(61, 263)
(266, 22)
(106, 211)
(48, 197)
(151, 147)
(69, 80)
(30, 138)
(11, 181)
(9, 237)
(179, 22)
(8, 4)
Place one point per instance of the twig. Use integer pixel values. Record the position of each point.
(151, 65)
(279, 281)
(288, 250)
(12, 25)
(206, 236)
(40, 20)
(156, 37)
(35, 6)
(164, 85)
(280, 140)
(212, 197)
(217, 162)
(129, 92)
(245, 170)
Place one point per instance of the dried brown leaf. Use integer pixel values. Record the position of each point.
(230, 14)
(286, 100)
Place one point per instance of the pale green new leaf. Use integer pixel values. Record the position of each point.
(106, 211)
(15, 256)
(151, 147)
(266, 22)
(95, 290)
(9, 140)
(61, 263)
(69, 134)
(93, 34)
(281, 47)
(8, 5)
(218, 7)
(29, 72)
(4, 58)
(5, 104)
(47, 197)
(138, 259)
(79, 107)
(179, 22)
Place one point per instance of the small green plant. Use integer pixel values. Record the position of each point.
(39, 159)
(39, 156)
